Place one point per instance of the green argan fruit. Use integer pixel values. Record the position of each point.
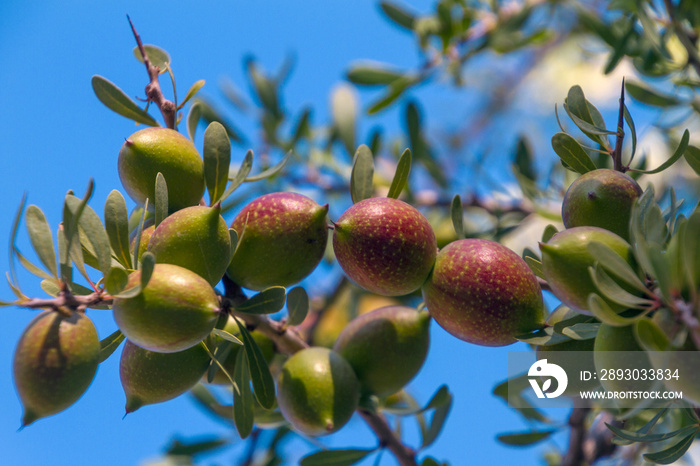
(153, 150)
(566, 259)
(149, 377)
(601, 198)
(266, 345)
(385, 246)
(611, 351)
(175, 311)
(386, 347)
(195, 238)
(482, 292)
(317, 391)
(282, 238)
(55, 361)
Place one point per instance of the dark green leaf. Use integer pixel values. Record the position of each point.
(692, 156)
(209, 114)
(682, 146)
(41, 238)
(148, 263)
(372, 75)
(117, 227)
(115, 99)
(240, 175)
(615, 264)
(180, 449)
(268, 301)
(650, 96)
(345, 457)
(193, 90)
(403, 170)
(265, 88)
(674, 452)
(116, 280)
(361, 186)
(579, 110)
(611, 290)
(525, 438)
(571, 153)
(242, 396)
(139, 232)
(234, 240)
(297, 305)
(221, 353)
(543, 337)
(398, 15)
(157, 56)
(110, 344)
(193, 117)
(650, 336)
(263, 383)
(161, 199)
(535, 266)
(549, 231)
(457, 213)
(226, 336)
(441, 397)
(393, 92)
(523, 159)
(633, 130)
(270, 172)
(217, 159)
(437, 423)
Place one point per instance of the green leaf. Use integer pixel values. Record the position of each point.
(193, 117)
(226, 336)
(344, 112)
(457, 213)
(117, 101)
(72, 211)
(579, 110)
(393, 92)
(221, 353)
(372, 75)
(571, 153)
(403, 170)
(234, 240)
(240, 175)
(193, 90)
(243, 401)
(148, 263)
(263, 383)
(344, 457)
(398, 15)
(682, 146)
(674, 452)
(117, 227)
(633, 130)
(361, 187)
(603, 312)
(523, 162)
(116, 280)
(161, 199)
(265, 88)
(41, 238)
(650, 96)
(437, 423)
(692, 156)
(582, 331)
(34, 269)
(180, 449)
(610, 289)
(157, 56)
(536, 266)
(525, 438)
(109, 345)
(543, 337)
(96, 235)
(650, 336)
(270, 172)
(217, 159)
(440, 398)
(139, 232)
(209, 114)
(268, 301)
(549, 231)
(297, 305)
(615, 264)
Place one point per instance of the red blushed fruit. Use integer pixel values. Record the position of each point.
(385, 246)
(483, 293)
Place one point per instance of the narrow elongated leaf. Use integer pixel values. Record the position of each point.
(603, 312)
(361, 185)
(457, 214)
(209, 114)
(613, 263)
(221, 352)
(403, 170)
(263, 384)
(109, 345)
(549, 231)
(570, 152)
(217, 159)
(398, 14)
(41, 238)
(193, 117)
(156, 55)
(680, 150)
(692, 156)
(437, 423)
(674, 452)
(65, 264)
(633, 130)
(270, 172)
(240, 176)
(117, 227)
(94, 232)
(148, 263)
(297, 305)
(579, 110)
(650, 336)
(344, 110)
(161, 205)
(243, 401)
(117, 101)
(526, 438)
(12, 275)
(581, 331)
(34, 269)
(650, 96)
(191, 92)
(191, 449)
(268, 301)
(372, 75)
(139, 232)
(344, 457)
(392, 93)
(226, 336)
(535, 266)
(543, 337)
(611, 290)
(116, 280)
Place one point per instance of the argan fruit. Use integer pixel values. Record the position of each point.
(317, 391)
(195, 238)
(566, 259)
(55, 361)
(482, 292)
(164, 150)
(385, 246)
(148, 377)
(282, 238)
(617, 348)
(601, 198)
(175, 311)
(386, 347)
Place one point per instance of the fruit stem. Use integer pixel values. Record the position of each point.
(617, 153)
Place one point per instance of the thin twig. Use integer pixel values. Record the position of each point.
(405, 455)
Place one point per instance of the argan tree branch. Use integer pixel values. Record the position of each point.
(405, 455)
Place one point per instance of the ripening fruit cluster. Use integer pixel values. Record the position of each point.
(477, 290)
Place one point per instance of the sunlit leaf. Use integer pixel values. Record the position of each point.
(650, 96)
(116, 280)
(344, 110)
(109, 345)
(361, 186)
(41, 238)
(682, 146)
(571, 152)
(270, 172)
(217, 159)
(161, 194)
(117, 227)
(226, 336)
(190, 93)
(240, 176)
(156, 55)
(263, 384)
(117, 101)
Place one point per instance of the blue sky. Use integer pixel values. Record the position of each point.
(55, 135)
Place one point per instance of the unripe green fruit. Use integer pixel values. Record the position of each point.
(55, 361)
(317, 391)
(385, 246)
(195, 238)
(266, 345)
(566, 259)
(148, 377)
(386, 347)
(175, 311)
(606, 355)
(153, 150)
(482, 292)
(282, 238)
(601, 198)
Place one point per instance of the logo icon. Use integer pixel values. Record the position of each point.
(542, 369)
